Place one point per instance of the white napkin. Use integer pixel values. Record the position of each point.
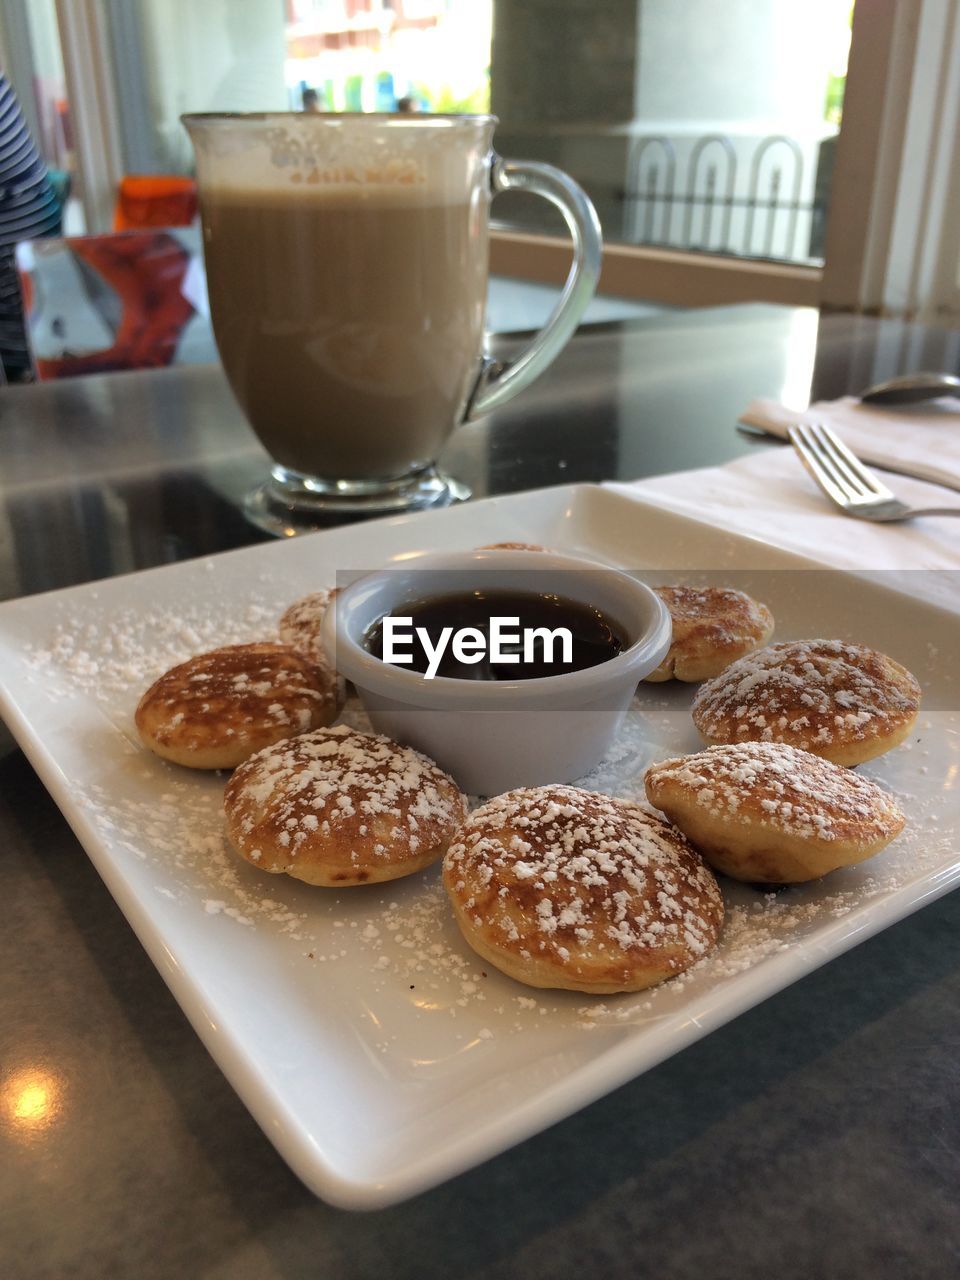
(920, 440)
(768, 495)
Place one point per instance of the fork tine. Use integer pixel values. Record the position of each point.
(826, 448)
(874, 484)
(802, 443)
(829, 466)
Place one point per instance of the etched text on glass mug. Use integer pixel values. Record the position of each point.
(346, 260)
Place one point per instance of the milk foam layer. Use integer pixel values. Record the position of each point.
(445, 157)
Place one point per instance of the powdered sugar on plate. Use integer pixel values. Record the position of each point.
(400, 938)
(87, 654)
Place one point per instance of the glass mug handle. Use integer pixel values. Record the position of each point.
(498, 382)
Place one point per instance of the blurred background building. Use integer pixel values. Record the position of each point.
(686, 131)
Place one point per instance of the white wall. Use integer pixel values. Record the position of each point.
(756, 64)
(209, 55)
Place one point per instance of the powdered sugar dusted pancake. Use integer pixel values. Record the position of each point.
(844, 702)
(712, 627)
(559, 887)
(340, 807)
(299, 625)
(218, 708)
(767, 812)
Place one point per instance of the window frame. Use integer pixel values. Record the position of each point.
(669, 276)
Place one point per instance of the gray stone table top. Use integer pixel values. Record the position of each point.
(815, 1136)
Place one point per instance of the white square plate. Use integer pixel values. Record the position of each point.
(371, 1045)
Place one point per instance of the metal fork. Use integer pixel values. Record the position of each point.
(847, 482)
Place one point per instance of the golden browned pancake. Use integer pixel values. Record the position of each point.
(217, 708)
(767, 812)
(339, 807)
(559, 887)
(841, 701)
(299, 625)
(712, 627)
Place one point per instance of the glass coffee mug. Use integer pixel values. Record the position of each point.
(346, 260)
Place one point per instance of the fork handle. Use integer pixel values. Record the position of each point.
(907, 513)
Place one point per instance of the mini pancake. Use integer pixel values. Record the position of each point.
(299, 625)
(559, 887)
(218, 708)
(770, 813)
(844, 702)
(712, 627)
(339, 807)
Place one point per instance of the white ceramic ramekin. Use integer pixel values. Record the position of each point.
(493, 735)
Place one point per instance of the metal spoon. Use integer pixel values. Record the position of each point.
(911, 388)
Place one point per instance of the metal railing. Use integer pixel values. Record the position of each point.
(714, 211)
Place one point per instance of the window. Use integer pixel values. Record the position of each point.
(706, 134)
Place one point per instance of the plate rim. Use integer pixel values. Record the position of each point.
(591, 1081)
